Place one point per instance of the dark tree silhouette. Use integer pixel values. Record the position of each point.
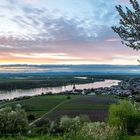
(129, 26)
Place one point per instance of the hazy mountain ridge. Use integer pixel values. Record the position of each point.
(71, 69)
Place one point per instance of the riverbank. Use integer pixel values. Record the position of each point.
(69, 89)
(29, 82)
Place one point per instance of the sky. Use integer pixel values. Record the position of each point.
(62, 32)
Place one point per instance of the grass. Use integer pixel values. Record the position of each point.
(39, 105)
(135, 138)
(96, 107)
(87, 103)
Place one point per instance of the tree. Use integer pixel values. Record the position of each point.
(129, 26)
(13, 122)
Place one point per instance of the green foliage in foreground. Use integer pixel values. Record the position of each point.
(134, 138)
(122, 116)
(125, 115)
(55, 138)
(13, 122)
(45, 137)
(80, 128)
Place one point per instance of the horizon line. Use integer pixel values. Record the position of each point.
(66, 64)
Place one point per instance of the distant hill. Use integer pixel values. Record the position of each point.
(71, 69)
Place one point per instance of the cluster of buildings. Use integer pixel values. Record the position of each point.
(133, 85)
(124, 88)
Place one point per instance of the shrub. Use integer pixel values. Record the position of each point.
(126, 115)
(55, 128)
(13, 122)
(72, 125)
(100, 131)
(69, 124)
(84, 118)
(137, 130)
(43, 126)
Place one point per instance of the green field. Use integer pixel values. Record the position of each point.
(38, 105)
(96, 107)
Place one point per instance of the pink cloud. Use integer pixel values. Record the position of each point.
(113, 40)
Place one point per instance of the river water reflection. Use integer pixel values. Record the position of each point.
(37, 91)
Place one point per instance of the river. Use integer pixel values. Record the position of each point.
(37, 91)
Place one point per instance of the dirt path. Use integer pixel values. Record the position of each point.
(48, 112)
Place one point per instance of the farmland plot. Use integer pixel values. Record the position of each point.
(96, 107)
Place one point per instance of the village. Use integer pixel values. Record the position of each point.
(125, 88)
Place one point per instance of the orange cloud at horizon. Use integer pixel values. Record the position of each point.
(109, 51)
(102, 58)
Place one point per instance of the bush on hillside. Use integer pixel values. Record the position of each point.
(13, 122)
(70, 124)
(137, 130)
(101, 131)
(73, 125)
(125, 115)
(55, 128)
(42, 126)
